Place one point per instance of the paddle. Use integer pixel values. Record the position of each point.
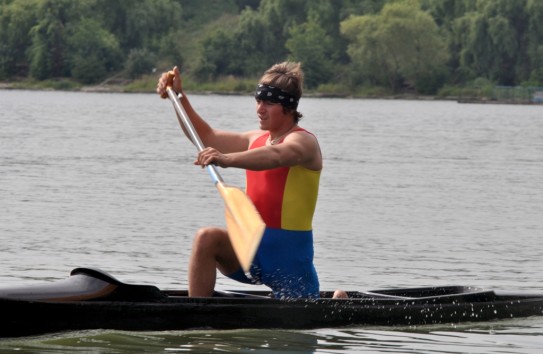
(244, 224)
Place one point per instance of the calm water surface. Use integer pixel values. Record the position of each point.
(413, 194)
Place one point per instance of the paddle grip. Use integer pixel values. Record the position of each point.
(169, 83)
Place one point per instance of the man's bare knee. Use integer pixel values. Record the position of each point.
(209, 240)
(340, 294)
(207, 236)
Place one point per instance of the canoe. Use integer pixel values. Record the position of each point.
(93, 299)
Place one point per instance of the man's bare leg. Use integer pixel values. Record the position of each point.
(211, 249)
(340, 294)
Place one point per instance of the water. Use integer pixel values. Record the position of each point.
(414, 193)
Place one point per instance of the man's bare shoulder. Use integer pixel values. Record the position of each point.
(304, 136)
(252, 135)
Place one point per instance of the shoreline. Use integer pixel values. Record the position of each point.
(116, 88)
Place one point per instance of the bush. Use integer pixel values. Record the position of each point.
(429, 83)
(94, 52)
(139, 61)
(88, 70)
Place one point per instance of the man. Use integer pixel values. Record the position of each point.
(283, 163)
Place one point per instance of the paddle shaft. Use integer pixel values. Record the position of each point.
(185, 121)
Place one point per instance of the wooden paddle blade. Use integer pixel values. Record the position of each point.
(244, 223)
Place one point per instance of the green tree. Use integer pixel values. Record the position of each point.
(492, 41)
(256, 42)
(139, 61)
(364, 50)
(327, 14)
(217, 56)
(535, 41)
(16, 20)
(400, 44)
(397, 43)
(48, 47)
(47, 53)
(360, 7)
(310, 45)
(255, 45)
(445, 13)
(93, 51)
(138, 24)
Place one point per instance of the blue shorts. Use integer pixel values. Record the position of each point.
(284, 262)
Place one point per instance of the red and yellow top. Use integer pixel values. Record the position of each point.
(285, 197)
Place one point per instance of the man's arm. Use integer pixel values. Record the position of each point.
(298, 148)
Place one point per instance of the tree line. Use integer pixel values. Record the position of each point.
(416, 46)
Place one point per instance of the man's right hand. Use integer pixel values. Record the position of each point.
(164, 82)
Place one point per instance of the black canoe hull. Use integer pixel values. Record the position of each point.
(146, 308)
(20, 318)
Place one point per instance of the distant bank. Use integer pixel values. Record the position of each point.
(487, 94)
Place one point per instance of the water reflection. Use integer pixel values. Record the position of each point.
(242, 341)
(515, 336)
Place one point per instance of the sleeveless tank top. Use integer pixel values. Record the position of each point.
(286, 196)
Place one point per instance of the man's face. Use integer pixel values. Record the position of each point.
(271, 115)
